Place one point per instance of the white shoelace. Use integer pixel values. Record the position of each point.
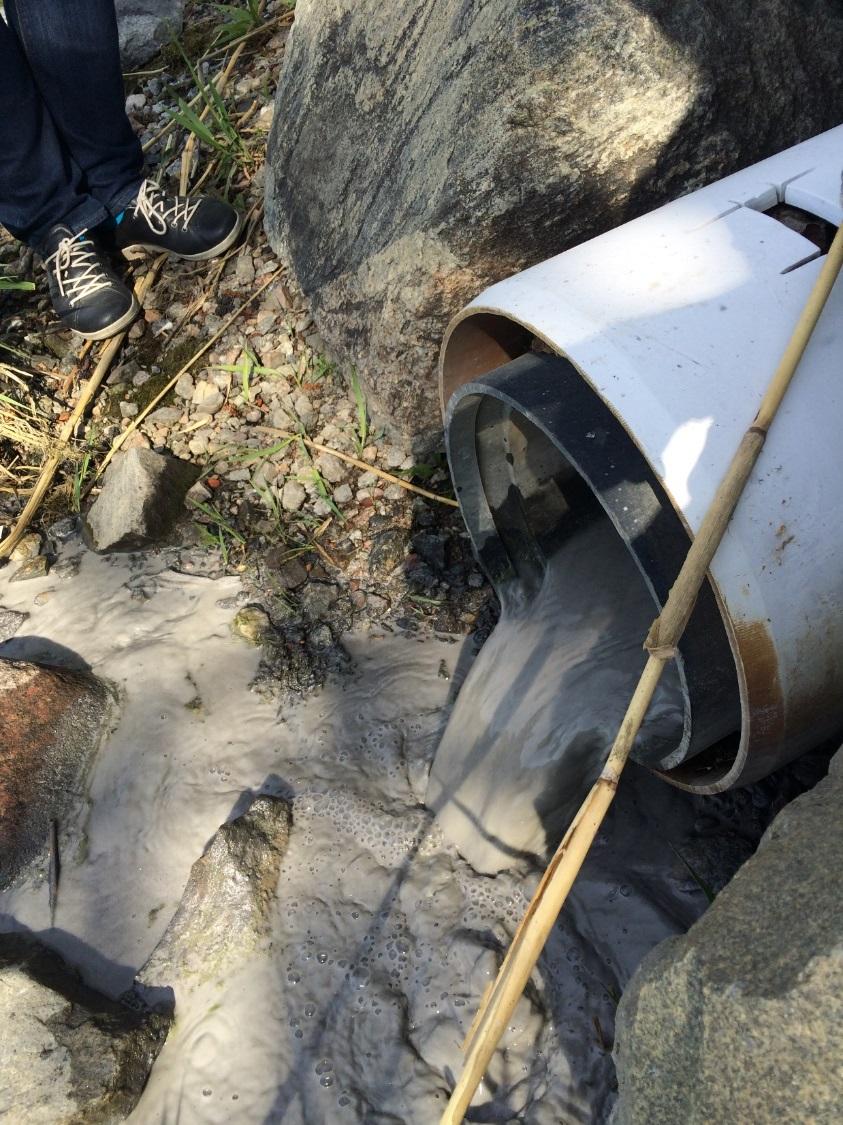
(150, 206)
(76, 252)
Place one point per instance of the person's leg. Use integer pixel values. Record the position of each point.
(40, 183)
(72, 50)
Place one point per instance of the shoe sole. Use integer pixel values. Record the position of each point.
(115, 328)
(205, 256)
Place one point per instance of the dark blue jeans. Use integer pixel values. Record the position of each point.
(67, 151)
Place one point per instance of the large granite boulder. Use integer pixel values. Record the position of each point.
(51, 723)
(741, 1019)
(423, 150)
(145, 26)
(67, 1054)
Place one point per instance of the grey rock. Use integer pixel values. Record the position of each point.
(145, 26)
(293, 496)
(224, 911)
(741, 1019)
(331, 468)
(10, 621)
(32, 568)
(142, 497)
(472, 138)
(343, 494)
(388, 550)
(165, 416)
(68, 1054)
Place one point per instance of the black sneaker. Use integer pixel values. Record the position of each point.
(87, 294)
(195, 228)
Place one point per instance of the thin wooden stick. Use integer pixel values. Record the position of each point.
(136, 421)
(50, 467)
(662, 639)
(364, 465)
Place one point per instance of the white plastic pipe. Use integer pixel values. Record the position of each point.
(674, 322)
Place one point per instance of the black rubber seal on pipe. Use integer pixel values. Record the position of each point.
(532, 450)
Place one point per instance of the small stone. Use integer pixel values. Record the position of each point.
(128, 409)
(244, 270)
(122, 373)
(64, 529)
(254, 416)
(367, 480)
(66, 568)
(32, 568)
(343, 494)
(321, 508)
(135, 102)
(394, 458)
(10, 621)
(331, 468)
(185, 386)
(305, 411)
(165, 416)
(370, 454)
(238, 475)
(207, 397)
(252, 624)
(27, 548)
(394, 492)
(293, 496)
(198, 493)
(136, 440)
(140, 378)
(198, 445)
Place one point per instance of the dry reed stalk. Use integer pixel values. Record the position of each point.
(662, 639)
(364, 465)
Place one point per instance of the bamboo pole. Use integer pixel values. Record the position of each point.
(661, 642)
(51, 465)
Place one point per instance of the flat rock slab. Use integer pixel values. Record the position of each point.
(741, 1019)
(141, 500)
(51, 720)
(224, 911)
(67, 1053)
(420, 151)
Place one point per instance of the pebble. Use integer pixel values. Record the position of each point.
(343, 494)
(293, 496)
(128, 409)
(37, 567)
(331, 468)
(165, 416)
(28, 548)
(185, 386)
(207, 396)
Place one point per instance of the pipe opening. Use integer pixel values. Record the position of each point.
(537, 457)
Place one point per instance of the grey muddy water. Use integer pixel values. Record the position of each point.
(382, 936)
(536, 717)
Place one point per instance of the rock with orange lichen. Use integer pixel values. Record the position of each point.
(52, 720)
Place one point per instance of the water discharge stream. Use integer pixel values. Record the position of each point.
(382, 937)
(534, 722)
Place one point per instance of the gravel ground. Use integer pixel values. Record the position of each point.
(321, 543)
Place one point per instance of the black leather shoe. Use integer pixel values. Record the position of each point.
(87, 294)
(195, 228)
